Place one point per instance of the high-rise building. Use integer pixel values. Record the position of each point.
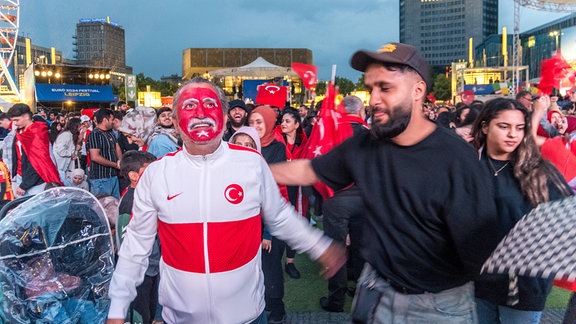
(100, 43)
(441, 29)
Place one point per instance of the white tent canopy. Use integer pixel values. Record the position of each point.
(258, 68)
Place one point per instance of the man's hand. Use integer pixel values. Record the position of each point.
(332, 259)
(115, 321)
(20, 192)
(541, 104)
(267, 245)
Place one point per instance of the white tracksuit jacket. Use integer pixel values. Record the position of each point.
(207, 212)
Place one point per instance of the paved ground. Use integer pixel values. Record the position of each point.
(550, 316)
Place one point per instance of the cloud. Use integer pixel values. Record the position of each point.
(156, 34)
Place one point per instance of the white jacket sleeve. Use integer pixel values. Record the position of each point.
(283, 221)
(135, 249)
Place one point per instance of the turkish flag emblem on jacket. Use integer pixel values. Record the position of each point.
(308, 73)
(271, 94)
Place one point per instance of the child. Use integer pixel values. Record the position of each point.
(246, 136)
(132, 165)
(77, 178)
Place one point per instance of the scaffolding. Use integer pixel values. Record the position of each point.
(546, 5)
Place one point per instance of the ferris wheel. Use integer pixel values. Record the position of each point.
(9, 22)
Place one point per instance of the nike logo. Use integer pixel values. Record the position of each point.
(172, 197)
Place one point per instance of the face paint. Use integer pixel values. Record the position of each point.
(200, 115)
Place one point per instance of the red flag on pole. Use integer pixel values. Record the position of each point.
(308, 73)
(271, 94)
(330, 130)
(553, 71)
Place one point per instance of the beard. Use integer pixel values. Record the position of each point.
(396, 124)
(239, 124)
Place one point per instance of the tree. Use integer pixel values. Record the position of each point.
(441, 87)
(321, 88)
(345, 86)
(165, 88)
(360, 83)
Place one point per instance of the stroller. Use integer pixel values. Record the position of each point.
(56, 259)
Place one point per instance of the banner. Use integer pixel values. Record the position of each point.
(64, 92)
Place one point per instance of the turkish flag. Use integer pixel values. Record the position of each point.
(308, 73)
(467, 96)
(553, 71)
(271, 94)
(330, 130)
(431, 97)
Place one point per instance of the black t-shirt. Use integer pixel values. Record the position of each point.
(275, 152)
(431, 212)
(126, 202)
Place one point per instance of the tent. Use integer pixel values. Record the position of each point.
(258, 68)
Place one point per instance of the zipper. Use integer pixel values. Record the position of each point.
(204, 190)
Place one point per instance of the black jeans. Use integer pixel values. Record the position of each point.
(274, 278)
(344, 214)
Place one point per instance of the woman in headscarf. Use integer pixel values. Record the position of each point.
(263, 119)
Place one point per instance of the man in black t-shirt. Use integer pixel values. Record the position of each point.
(430, 208)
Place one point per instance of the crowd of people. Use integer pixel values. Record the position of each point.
(421, 197)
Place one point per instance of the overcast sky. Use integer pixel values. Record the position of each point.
(157, 34)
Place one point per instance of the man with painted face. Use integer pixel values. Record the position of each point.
(209, 220)
(430, 212)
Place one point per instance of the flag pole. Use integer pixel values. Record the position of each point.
(333, 79)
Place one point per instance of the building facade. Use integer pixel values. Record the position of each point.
(441, 29)
(199, 61)
(536, 45)
(38, 54)
(101, 43)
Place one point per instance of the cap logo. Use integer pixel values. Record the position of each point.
(388, 48)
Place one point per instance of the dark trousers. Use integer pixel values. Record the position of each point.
(274, 277)
(147, 298)
(570, 315)
(344, 214)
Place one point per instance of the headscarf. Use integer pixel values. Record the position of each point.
(139, 122)
(77, 172)
(553, 111)
(269, 116)
(249, 131)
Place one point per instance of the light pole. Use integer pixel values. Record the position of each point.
(555, 34)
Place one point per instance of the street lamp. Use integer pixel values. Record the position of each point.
(555, 34)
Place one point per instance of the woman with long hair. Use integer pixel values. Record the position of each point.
(294, 138)
(522, 180)
(53, 131)
(67, 146)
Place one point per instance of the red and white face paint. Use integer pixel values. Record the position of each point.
(200, 114)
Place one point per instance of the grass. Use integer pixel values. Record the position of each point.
(558, 298)
(303, 294)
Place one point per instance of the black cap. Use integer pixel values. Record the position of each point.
(236, 103)
(395, 53)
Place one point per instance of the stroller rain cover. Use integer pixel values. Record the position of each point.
(56, 259)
